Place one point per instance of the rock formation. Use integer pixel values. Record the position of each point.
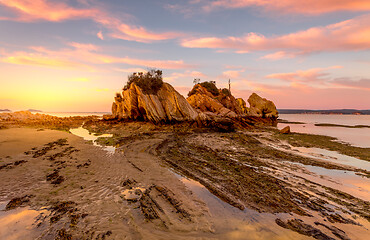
(223, 104)
(242, 105)
(205, 102)
(285, 130)
(206, 105)
(166, 105)
(261, 107)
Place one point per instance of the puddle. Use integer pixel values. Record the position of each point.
(20, 223)
(346, 181)
(333, 156)
(84, 133)
(232, 223)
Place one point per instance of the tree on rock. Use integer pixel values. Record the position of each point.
(150, 82)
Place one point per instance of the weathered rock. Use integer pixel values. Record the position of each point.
(300, 227)
(207, 103)
(285, 130)
(261, 107)
(165, 106)
(242, 105)
(229, 101)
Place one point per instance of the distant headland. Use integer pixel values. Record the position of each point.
(333, 111)
(34, 110)
(29, 110)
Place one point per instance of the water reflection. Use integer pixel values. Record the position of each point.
(333, 156)
(355, 136)
(86, 135)
(346, 181)
(232, 223)
(19, 223)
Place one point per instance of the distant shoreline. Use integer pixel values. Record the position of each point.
(327, 112)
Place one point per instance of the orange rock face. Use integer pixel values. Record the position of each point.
(261, 107)
(166, 105)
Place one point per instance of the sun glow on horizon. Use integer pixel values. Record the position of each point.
(74, 55)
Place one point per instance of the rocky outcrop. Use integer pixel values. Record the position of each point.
(242, 105)
(166, 105)
(25, 115)
(225, 105)
(285, 130)
(261, 107)
(206, 105)
(218, 109)
(222, 105)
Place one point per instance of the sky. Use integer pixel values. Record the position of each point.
(74, 55)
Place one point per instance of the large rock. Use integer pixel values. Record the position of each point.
(261, 107)
(285, 130)
(165, 106)
(242, 105)
(207, 103)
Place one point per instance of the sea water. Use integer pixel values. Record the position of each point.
(355, 136)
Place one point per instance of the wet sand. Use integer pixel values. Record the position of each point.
(160, 183)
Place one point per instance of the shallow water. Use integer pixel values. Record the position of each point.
(333, 156)
(86, 135)
(345, 181)
(355, 136)
(20, 223)
(233, 223)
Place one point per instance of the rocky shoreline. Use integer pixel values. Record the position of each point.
(81, 192)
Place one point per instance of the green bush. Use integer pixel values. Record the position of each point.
(150, 82)
(210, 86)
(226, 92)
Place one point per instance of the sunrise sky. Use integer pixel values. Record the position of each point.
(73, 55)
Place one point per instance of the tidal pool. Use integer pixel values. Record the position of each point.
(86, 135)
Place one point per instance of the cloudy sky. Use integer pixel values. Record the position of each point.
(73, 55)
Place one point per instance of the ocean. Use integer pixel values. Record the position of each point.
(355, 136)
(74, 114)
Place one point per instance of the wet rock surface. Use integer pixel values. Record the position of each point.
(17, 202)
(299, 226)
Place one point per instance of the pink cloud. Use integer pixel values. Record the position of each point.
(232, 73)
(78, 55)
(318, 77)
(278, 55)
(187, 76)
(363, 83)
(310, 75)
(308, 97)
(350, 35)
(100, 35)
(24, 58)
(310, 7)
(46, 10)
(56, 11)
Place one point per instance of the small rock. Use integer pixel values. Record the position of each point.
(285, 130)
